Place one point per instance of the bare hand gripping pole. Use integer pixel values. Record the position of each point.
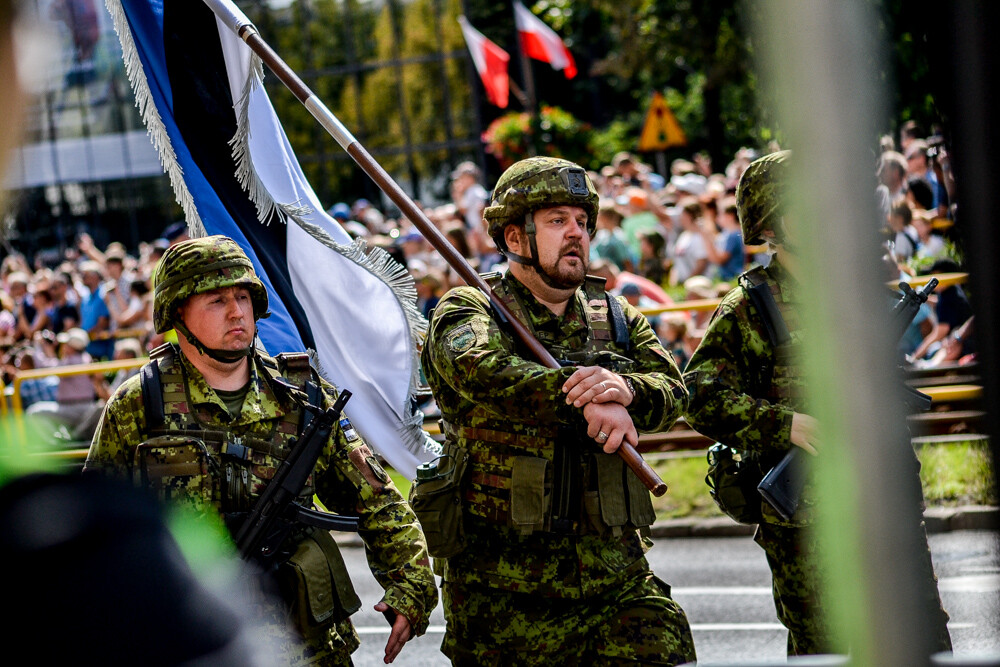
(228, 13)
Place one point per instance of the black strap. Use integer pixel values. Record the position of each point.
(619, 325)
(763, 299)
(152, 395)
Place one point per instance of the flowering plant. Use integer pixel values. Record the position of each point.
(554, 133)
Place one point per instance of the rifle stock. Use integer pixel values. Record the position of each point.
(236, 21)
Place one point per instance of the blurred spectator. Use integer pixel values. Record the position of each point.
(430, 287)
(951, 311)
(635, 297)
(956, 348)
(125, 348)
(75, 395)
(653, 263)
(94, 316)
(638, 216)
(725, 250)
(615, 280)
(36, 316)
(904, 237)
(33, 390)
(8, 320)
(690, 254)
(697, 288)
(673, 333)
(65, 314)
(909, 132)
(469, 196)
(176, 232)
(891, 173)
(609, 241)
(919, 194)
(918, 165)
(931, 245)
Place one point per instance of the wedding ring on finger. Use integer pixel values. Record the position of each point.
(602, 437)
(604, 387)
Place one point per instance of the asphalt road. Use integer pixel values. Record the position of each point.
(724, 586)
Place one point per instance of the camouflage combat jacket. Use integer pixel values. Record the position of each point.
(347, 480)
(744, 391)
(500, 405)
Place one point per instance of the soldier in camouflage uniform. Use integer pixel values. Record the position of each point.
(747, 393)
(229, 416)
(552, 568)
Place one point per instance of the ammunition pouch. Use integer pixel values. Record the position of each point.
(315, 585)
(177, 468)
(436, 499)
(732, 481)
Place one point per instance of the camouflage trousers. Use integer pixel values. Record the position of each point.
(797, 583)
(636, 623)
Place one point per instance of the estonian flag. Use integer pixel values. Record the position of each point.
(198, 88)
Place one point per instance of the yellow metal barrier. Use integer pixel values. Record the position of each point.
(63, 371)
(944, 280)
(953, 392)
(682, 306)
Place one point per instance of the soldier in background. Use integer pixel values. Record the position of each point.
(748, 393)
(551, 568)
(230, 414)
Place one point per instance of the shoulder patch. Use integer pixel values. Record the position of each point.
(466, 336)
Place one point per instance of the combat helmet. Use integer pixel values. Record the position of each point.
(760, 196)
(200, 265)
(534, 183)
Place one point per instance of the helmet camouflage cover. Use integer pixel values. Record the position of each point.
(539, 182)
(760, 196)
(201, 265)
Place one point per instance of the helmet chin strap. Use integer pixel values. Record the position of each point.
(781, 237)
(223, 356)
(532, 262)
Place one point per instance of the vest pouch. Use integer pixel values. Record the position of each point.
(316, 587)
(732, 482)
(177, 469)
(436, 499)
(527, 494)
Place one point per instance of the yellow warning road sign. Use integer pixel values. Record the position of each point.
(661, 130)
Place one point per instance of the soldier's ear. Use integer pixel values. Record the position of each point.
(513, 236)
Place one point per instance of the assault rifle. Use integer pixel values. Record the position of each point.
(276, 514)
(782, 485)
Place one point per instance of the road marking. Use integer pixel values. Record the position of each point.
(977, 583)
(722, 590)
(695, 627)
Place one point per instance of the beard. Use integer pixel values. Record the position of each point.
(567, 274)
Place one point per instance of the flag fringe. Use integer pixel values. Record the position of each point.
(155, 128)
(246, 173)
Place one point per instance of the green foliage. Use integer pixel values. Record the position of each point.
(957, 474)
(921, 265)
(687, 494)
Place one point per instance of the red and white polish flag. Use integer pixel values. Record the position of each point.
(491, 63)
(540, 42)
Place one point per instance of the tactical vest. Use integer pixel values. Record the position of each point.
(187, 459)
(537, 476)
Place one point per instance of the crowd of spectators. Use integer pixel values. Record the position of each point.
(94, 305)
(660, 239)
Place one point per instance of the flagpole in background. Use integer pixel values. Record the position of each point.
(234, 19)
(531, 105)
